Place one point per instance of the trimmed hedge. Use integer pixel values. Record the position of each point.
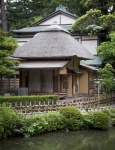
(32, 99)
(99, 120)
(72, 117)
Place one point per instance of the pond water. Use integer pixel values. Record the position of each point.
(75, 140)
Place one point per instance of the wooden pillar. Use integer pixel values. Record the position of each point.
(58, 85)
(72, 84)
(20, 79)
(88, 84)
(9, 83)
(28, 81)
(66, 85)
(14, 80)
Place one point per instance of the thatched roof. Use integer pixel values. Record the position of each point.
(52, 42)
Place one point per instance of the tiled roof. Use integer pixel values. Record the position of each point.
(96, 62)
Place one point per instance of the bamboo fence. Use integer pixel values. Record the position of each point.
(85, 104)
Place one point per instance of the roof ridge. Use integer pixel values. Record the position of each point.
(64, 9)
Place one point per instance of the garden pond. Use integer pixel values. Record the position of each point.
(73, 140)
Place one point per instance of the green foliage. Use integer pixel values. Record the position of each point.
(2, 91)
(97, 4)
(69, 117)
(72, 117)
(113, 122)
(107, 21)
(7, 47)
(87, 121)
(107, 49)
(55, 121)
(112, 115)
(106, 111)
(91, 17)
(21, 13)
(112, 110)
(33, 125)
(99, 120)
(28, 99)
(7, 121)
(37, 124)
(107, 74)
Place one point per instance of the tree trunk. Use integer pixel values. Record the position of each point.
(3, 16)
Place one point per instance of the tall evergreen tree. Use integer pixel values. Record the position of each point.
(20, 13)
(7, 47)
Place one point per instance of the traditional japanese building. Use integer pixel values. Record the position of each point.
(64, 18)
(50, 64)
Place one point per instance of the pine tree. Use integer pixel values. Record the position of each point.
(7, 47)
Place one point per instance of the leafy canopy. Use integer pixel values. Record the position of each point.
(7, 47)
(107, 74)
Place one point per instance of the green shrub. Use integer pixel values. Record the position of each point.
(87, 121)
(37, 124)
(112, 115)
(112, 110)
(33, 125)
(2, 91)
(72, 117)
(7, 121)
(106, 111)
(100, 120)
(113, 122)
(55, 121)
(28, 99)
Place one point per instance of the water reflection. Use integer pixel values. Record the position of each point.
(78, 140)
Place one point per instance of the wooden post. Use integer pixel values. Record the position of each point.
(88, 85)
(9, 83)
(20, 79)
(66, 85)
(58, 85)
(72, 84)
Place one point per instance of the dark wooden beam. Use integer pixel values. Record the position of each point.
(58, 85)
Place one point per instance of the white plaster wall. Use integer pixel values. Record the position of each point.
(89, 42)
(60, 19)
(90, 45)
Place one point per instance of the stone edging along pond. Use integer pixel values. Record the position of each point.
(67, 118)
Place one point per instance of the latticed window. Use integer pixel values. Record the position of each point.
(65, 85)
(91, 84)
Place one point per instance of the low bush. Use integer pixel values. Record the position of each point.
(33, 125)
(106, 111)
(72, 117)
(55, 121)
(112, 110)
(112, 115)
(36, 124)
(7, 121)
(113, 122)
(68, 117)
(87, 121)
(99, 120)
(28, 99)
